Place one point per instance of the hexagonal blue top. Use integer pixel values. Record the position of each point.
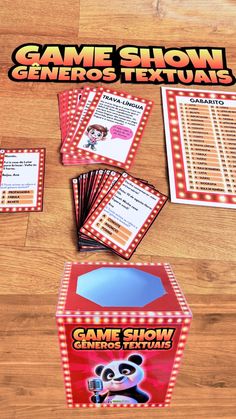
(120, 287)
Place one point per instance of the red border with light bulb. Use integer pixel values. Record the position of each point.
(40, 186)
(70, 314)
(90, 230)
(183, 194)
(74, 149)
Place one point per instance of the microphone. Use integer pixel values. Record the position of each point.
(95, 385)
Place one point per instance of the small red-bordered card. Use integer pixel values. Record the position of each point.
(124, 215)
(200, 127)
(68, 102)
(111, 129)
(82, 107)
(21, 179)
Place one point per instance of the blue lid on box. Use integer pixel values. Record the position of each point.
(120, 287)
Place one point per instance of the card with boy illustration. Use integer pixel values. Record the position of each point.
(111, 130)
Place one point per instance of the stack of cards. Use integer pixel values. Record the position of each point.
(100, 125)
(114, 210)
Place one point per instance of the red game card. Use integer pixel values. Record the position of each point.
(112, 128)
(76, 198)
(73, 104)
(85, 101)
(108, 181)
(68, 101)
(21, 179)
(63, 109)
(200, 138)
(124, 215)
(88, 191)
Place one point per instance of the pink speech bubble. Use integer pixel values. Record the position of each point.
(118, 131)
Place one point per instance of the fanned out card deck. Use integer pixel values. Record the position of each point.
(114, 210)
(100, 125)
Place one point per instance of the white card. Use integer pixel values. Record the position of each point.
(21, 179)
(112, 128)
(200, 128)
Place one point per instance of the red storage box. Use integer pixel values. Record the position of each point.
(122, 331)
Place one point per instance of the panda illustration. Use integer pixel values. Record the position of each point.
(120, 380)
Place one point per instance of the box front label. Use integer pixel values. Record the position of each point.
(121, 365)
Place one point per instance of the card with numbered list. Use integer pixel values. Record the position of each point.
(200, 129)
(21, 179)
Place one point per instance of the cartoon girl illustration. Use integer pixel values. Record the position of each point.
(95, 133)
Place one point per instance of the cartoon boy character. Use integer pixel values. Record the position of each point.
(95, 133)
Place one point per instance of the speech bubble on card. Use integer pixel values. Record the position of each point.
(119, 131)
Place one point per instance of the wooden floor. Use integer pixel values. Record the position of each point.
(199, 242)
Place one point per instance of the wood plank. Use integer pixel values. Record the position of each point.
(59, 19)
(163, 19)
(13, 228)
(58, 411)
(28, 117)
(56, 223)
(174, 233)
(196, 277)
